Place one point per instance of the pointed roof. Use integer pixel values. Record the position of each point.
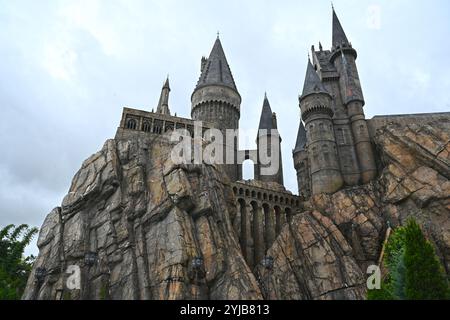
(163, 104)
(300, 144)
(339, 36)
(312, 82)
(265, 121)
(216, 70)
(166, 84)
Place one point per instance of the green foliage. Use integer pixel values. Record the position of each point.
(424, 276)
(384, 293)
(103, 295)
(14, 268)
(414, 270)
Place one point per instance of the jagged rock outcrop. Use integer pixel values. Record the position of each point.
(324, 253)
(415, 180)
(148, 220)
(312, 260)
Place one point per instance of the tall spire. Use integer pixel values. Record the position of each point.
(266, 121)
(312, 82)
(216, 69)
(339, 36)
(163, 104)
(300, 144)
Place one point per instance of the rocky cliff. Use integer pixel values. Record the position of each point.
(140, 227)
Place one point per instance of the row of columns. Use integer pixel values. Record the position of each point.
(258, 224)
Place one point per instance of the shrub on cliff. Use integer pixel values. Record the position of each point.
(14, 267)
(414, 270)
(424, 275)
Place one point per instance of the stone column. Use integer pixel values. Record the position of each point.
(258, 232)
(280, 219)
(247, 230)
(269, 215)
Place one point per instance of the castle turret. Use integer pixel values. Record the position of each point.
(343, 56)
(267, 123)
(301, 165)
(315, 105)
(163, 104)
(217, 100)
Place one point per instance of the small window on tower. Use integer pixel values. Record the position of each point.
(321, 127)
(340, 136)
(361, 130)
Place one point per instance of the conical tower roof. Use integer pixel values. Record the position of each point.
(339, 36)
(312, 82)
(265, 121)
(300, 144)
(166, 83)
(216, 71)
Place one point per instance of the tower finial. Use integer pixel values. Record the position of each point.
(332, 6)
(218, 33)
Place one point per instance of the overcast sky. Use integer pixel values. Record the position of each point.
(68, 67)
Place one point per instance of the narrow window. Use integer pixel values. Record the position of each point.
(131, 124)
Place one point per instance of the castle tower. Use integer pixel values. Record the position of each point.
(163, 104)
(267, 123)
(315, 105)
(217, 100)
(301, 165)
(343, 57)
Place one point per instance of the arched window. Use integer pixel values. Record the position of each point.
(131, 124)
(315, 155)
(169, 126)
(146, 126)
(362, 132)
(157, 126)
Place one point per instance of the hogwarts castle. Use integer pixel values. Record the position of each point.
(333, 148)
(137, 225)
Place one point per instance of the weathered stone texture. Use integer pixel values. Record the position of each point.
(147, 219)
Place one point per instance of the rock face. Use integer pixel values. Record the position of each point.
(164, 231)
(147, 220)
